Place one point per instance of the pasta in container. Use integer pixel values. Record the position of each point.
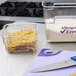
(20, 37)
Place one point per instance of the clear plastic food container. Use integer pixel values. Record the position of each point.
(60, 20)
(20, 37)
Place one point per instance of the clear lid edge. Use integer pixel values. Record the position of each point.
(57, 5)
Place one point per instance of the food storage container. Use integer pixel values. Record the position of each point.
(20, 37)
(60, 20)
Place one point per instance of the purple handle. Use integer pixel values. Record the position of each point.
(44, 52)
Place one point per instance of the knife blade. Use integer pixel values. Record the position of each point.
(55, 66)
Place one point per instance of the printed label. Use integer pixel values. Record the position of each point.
(68, 30)
(20, 48)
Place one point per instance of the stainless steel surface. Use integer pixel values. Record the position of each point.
(5, 18)
(2, 1)
(56, 66)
